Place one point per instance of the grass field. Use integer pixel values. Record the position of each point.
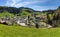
(18, 31)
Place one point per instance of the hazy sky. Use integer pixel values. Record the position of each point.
(34, 4)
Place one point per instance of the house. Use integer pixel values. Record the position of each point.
(5, 20)
(21, 21)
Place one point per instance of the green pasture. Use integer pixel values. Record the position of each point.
(18, 31)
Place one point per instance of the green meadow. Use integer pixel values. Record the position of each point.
(18, 31)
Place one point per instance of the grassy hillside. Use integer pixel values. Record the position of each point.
(17, 31)
(5, 13)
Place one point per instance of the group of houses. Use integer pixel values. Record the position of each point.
(25, 21)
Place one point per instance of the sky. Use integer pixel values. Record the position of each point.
(34, 4)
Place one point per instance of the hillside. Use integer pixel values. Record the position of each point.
(18, 11)
(21, 11)
(49, 15)
(18, 31)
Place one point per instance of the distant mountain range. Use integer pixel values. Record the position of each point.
(15, 10)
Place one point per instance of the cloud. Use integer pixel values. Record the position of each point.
(25, 4)
(20, 3)
(30, 3)
(12, 2)
(41, 8)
